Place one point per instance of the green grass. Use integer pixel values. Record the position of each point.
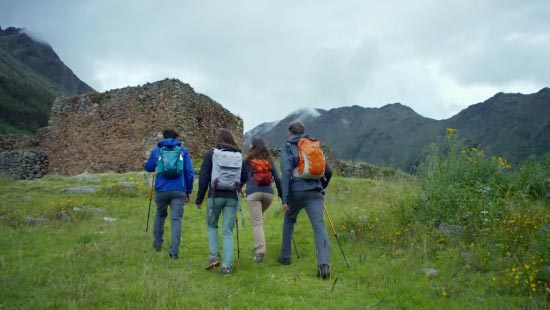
(79, 261)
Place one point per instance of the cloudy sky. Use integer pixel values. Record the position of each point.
(263, 60)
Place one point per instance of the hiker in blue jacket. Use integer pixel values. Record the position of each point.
(298, 194)
(170, 191)
(221, 200)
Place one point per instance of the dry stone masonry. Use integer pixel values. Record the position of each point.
(13, 142)
(20, 165)
(20, 158)
(115, 131)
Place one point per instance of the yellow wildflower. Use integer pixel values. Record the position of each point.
(451, 132)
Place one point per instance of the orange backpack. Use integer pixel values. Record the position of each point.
(311, 161)
(261, 171)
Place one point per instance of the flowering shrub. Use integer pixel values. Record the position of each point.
(491, 214)
(503, 210)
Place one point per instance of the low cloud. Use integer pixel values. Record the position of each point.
(264, 60)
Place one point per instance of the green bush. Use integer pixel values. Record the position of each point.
(502, 210)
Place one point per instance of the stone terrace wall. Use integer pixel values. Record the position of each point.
(12, 142)
(116, 130)
(21, 165)
(20, 158)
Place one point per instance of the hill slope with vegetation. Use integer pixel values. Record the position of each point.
(31, 76)
(470, 232)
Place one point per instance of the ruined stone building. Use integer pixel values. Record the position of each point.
(116, 130)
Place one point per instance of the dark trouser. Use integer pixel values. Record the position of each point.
(176, 200)
(312, 202)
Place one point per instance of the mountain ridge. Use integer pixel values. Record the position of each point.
(512, 125)
(31, 76)
(40, 57)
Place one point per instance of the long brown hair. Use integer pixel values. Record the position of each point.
(226, 138)
(259, 150)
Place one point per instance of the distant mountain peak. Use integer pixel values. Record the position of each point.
(307, 112)
(399, 108)
(31, 75)
(396, 105)
(35, 55)
(10, 31)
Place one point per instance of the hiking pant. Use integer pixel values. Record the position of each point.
(227, 207)
(258, 202)
(176, 200)
(312, 202)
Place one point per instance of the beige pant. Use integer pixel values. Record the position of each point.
(257, 203)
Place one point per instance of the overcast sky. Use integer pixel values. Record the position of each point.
(263, 60)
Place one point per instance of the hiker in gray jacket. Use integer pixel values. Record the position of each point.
(301, 193)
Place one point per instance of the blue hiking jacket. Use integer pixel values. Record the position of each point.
(182, 183)
(289, 161)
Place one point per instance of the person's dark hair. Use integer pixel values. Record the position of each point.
(296, 128)
(259, 150)
(225, 138)
(170, 133)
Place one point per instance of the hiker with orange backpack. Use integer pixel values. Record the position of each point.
(305, 176)
(259, 192)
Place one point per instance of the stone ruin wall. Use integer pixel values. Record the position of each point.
(116, 130)
(21, 159)
(13, 143)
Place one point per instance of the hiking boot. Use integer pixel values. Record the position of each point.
(172, 256)
(283, 260)
(226, 271)
(259, 258)
(323, 271)
(213, 262)
(157, 248)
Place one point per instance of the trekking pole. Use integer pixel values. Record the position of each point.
(238, 247)
(295, 248)
(336, 235)
(150, 199)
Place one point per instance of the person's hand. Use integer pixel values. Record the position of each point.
(187, 197)
(285, 207)
(199, 206)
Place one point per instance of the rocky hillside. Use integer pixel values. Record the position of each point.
(31, 76)
(514, 126)
(511, 125)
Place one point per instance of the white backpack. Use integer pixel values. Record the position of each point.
(226, 170)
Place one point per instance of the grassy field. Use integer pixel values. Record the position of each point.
(399, 257)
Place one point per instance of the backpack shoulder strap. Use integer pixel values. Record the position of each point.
(293, 148)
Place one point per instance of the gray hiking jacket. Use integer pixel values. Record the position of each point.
(289, 160)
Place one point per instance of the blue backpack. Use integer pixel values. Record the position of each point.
(170, 163)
